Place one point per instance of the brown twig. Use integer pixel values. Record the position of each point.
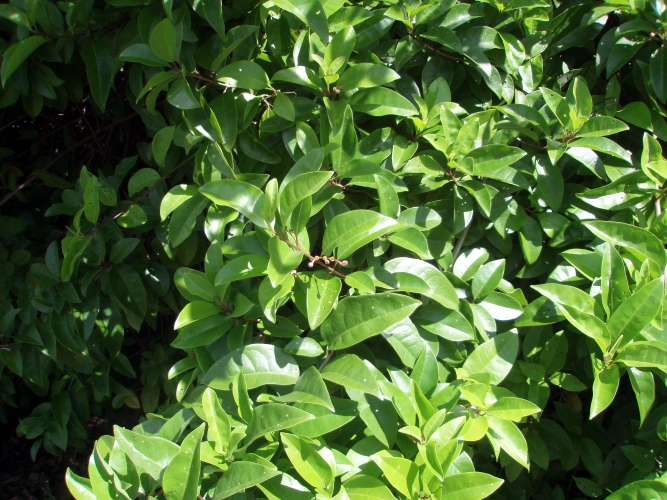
(52, 162)
(326, 360)
(534, 146)
(311, 258)
(459, 243)
(432, 48)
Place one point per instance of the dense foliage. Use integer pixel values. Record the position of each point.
(412, 249)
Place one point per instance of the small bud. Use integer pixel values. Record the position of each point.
(343, 263)
(310, 264)
(326, 261)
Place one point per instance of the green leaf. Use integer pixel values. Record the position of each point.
(309, 389)
(122, 249)
(144, 178)
(304, 347)
(440, 289)
(78, 486)
(321, 297)
(180, 95)
(15, 15)
(401, 473)
(283, 260)
(600, 126)
(643, 386)
(495, 357)
(273, 417)
(365, 75)
(243, 267)
(91, 207)
(261, 364)
(349, 231)
(358, 318)
(195, 311)
(550, 182)
(614, 283)
(244, 74)
(128, 290)
(603, 145)
(285, 486)
(310, 465)
(636, 312)
(284, 108)
(588, 324)
(219, 430)
(151, 453)
(298, 188)
(413, 240)
(650, 354)
(241, 196)
(181, 477)
(163, 40)
(161, 143)
(362, 487)
(14, 56)
(100, 68)
(641, 489)
(530, 238)
(490, 158)
(142, 53)
(469, 486)
(487, 278)
(568, 296)
(605, 386)
(634, 238)
(658, 72)
(510, 408)
(351, 371)
(507, 435)
(11, 357)
(579, 101)
(381, 101)
(241, 476)
(446, 323)
(501, 307)
(587, 263)
(311, 13)
(270, 296)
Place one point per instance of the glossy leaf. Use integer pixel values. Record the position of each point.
(260, 364)
(358, 318)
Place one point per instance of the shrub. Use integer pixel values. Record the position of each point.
(404, 256)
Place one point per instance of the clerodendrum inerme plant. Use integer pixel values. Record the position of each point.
(413, 249)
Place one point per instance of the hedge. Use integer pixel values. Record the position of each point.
(332, 249)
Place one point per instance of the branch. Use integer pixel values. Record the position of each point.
(459, 243)
(52, 162)
(534, 146)
(316, 260)
(432, 48)
(326, 360)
